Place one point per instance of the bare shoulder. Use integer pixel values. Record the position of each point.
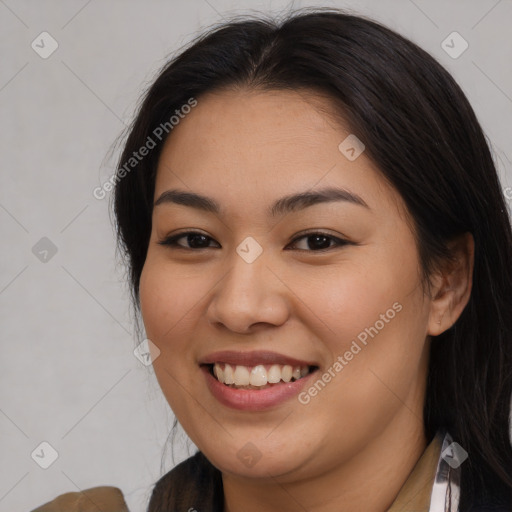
(95, 499)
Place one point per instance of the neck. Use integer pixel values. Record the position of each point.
(370, 480)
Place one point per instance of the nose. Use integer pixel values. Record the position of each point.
(249, 296)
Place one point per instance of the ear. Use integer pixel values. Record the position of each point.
(452, 286)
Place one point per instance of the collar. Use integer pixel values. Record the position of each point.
(434, 483)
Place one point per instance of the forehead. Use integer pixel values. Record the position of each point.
(257, 117)
(265, 143)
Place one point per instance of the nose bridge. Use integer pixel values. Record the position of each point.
(248, 269)
(248, 293)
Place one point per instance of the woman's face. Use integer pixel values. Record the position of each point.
(268, 274)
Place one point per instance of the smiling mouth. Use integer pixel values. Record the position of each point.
(258, 377)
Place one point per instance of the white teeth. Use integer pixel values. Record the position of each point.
(286, 373)
(241, 376)
(258, 376)
(274, 374)
(228, 374)
(219, 373)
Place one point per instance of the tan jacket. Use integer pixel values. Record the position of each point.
(96, 499)
(414, 496)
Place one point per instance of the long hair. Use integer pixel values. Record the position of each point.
(422, 134)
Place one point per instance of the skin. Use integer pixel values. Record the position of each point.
(354, 444)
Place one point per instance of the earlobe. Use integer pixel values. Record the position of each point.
(454, 284)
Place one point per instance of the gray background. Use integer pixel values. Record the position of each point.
(68, 373)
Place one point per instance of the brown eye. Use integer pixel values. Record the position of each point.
(317, 242)
(194, 239)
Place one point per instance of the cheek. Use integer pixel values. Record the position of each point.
(167, 299)
(167, 306)
(153, 291)
(353, 296)
(375, 317)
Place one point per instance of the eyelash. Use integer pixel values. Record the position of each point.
(171, 241)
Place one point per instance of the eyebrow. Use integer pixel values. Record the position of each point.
(282, 206)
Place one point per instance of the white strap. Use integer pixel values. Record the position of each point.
(446, 490)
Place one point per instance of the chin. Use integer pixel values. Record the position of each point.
(255, 460)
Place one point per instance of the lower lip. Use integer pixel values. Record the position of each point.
(253, 400)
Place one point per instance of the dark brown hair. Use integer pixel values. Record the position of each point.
(423, 135)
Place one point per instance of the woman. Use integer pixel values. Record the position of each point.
(320, 250)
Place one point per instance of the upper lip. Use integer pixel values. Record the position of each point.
(252, 358)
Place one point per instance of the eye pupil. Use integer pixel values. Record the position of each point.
(194, 236)
(325, 245)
